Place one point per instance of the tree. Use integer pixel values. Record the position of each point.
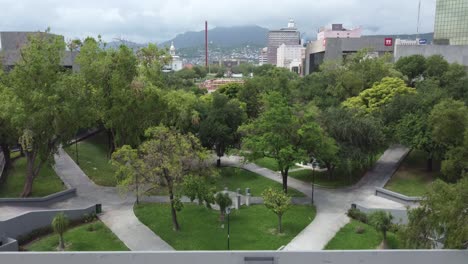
(448, 121)
(455, 164)
(412, 66)
(219, 128)
(382, 221)
(60, 225)
(379, 95)
(40, 107)
(166, 158)
(442, 217)
(436, 66)
(278, 202)
(275, 134)
(230, 89)
(130, 170)
(224, 201)
(196, 187)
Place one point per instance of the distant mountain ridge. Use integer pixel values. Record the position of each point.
(222, 37)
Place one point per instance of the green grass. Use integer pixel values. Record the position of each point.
(412, 178)
(348, 239)
(270, 164)
(47, 182)
(234, 178)
(321, 178)
(251, 228)
(93, 159)
(15, 154)
(81, 238)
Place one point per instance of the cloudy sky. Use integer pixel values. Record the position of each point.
(159, 20)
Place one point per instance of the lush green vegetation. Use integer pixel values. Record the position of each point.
(322, 178)
(234, 178)
(269, 163)
(412, 178)
(347, 238)
(47, 181)
(93, 236)
(251, 228)
(93, 159)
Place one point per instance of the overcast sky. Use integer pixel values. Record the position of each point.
(157, 20)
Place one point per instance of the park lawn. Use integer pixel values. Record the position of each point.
(412, 178)
(251, 228)
(348, 239)
(93, 236)
(46, 183)
(234, 178)
(93, 159)
(270, 163)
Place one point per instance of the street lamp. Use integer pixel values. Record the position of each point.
(228, 212)
(314, 166)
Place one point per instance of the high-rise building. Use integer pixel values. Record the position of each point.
(451, 22)
(290, 57)
(287, 36)
(263, 56)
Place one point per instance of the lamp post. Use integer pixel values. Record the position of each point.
(314, 166)
(228, 212)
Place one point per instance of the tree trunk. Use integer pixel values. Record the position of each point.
(28, 183)
(329, 171)
(221, 216)
(385, 236)
(111, 142)
(175, 223)
(429, 164)
(6, 152)
(284, 174)
(61, 242)
(280, 224)
(218, 162)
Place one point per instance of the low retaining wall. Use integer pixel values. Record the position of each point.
(397, 197)
(26, 223)
(40, 201)
(243, 257)
(9, 244)
(399, 216)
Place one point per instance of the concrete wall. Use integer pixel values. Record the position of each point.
(458, 54)
(9, 244)
(40, 201)
(26, 223)
(397, 197)
(242, 257)
(399, 216)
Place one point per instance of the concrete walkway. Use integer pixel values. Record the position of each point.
(332, 204)
(117, 210)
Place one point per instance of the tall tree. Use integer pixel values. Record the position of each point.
(42, 109)
(219, 128)
(278, 202)
(412, 66)
(448, 121)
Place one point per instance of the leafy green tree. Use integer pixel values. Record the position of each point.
(8, 134)
(60, 225)
(151, 62)
(412, 66)
(230, 90)
(180, 110)
(455, 82)
(224, 201)
(130, 172)
(219, 128)
(275, 134)
(448, 121)
(196, 187)
(278, 202)
(166, 158)
(436, 66)
(379, 95)
(441, 217)
(455, 164)
(38, 105)
(382, 222)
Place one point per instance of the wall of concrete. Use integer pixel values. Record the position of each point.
(242, 257)
(452, 54)
(26, 223)
(40, 201)
(397, 197)
(399, 216)
(8, 244)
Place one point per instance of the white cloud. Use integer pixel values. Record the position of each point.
(150, 20)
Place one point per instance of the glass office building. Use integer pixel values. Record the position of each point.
(451, 22)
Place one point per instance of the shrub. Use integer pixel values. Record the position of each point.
(358, 215)
(360, 230)
(224, 201)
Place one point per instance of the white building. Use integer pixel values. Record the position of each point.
(263, 56)
(176, 63)
(290, 57)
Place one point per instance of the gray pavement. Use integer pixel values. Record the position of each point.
(332, 204)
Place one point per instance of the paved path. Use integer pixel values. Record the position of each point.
(332, 204)
(118, 211)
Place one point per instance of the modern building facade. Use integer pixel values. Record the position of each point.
(290, 57)
(12, 42)
(451, 22)
(338, 31)
(337, 49)
(263, 56)
(451, 53)
(287, 36)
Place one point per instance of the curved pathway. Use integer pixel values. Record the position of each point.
(332, 204)
(117, 210)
